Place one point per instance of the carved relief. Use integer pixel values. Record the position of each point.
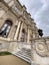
(41, 49)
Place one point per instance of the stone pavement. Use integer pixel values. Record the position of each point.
(12, 60)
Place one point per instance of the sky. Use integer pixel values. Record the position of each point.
(39, 10)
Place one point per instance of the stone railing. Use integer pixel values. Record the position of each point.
(40, 51)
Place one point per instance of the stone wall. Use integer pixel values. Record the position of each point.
(4, 44)
(40, 51)
(12, 10)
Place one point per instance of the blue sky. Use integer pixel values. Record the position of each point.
(39, 10)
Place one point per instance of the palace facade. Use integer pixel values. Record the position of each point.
(19, 34)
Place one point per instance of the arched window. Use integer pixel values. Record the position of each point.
(23, 35)
(4, 31)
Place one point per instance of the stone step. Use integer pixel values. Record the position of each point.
(24, 54)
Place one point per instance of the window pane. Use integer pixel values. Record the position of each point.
(8, 29)
(4, 27)
(15, 9)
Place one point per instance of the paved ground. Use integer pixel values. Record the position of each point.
(12, 60)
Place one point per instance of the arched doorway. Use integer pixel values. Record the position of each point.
(5, 29)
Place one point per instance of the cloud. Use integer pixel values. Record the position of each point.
(32, 6)
(39, 10)
(42, 16)
(45, 1)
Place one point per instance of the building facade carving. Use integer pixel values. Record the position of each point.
(40, 52)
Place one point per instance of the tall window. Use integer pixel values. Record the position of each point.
(4, 31)
(23, 35)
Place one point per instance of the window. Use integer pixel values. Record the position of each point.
(4, 31)
(23, 35)
(0, 45)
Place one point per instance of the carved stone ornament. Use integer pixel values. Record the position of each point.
(41, 49)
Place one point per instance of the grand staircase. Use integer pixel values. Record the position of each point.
(24, 53)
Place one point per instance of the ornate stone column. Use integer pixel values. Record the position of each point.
(28, 37)
(18, 27)
(20, 32)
